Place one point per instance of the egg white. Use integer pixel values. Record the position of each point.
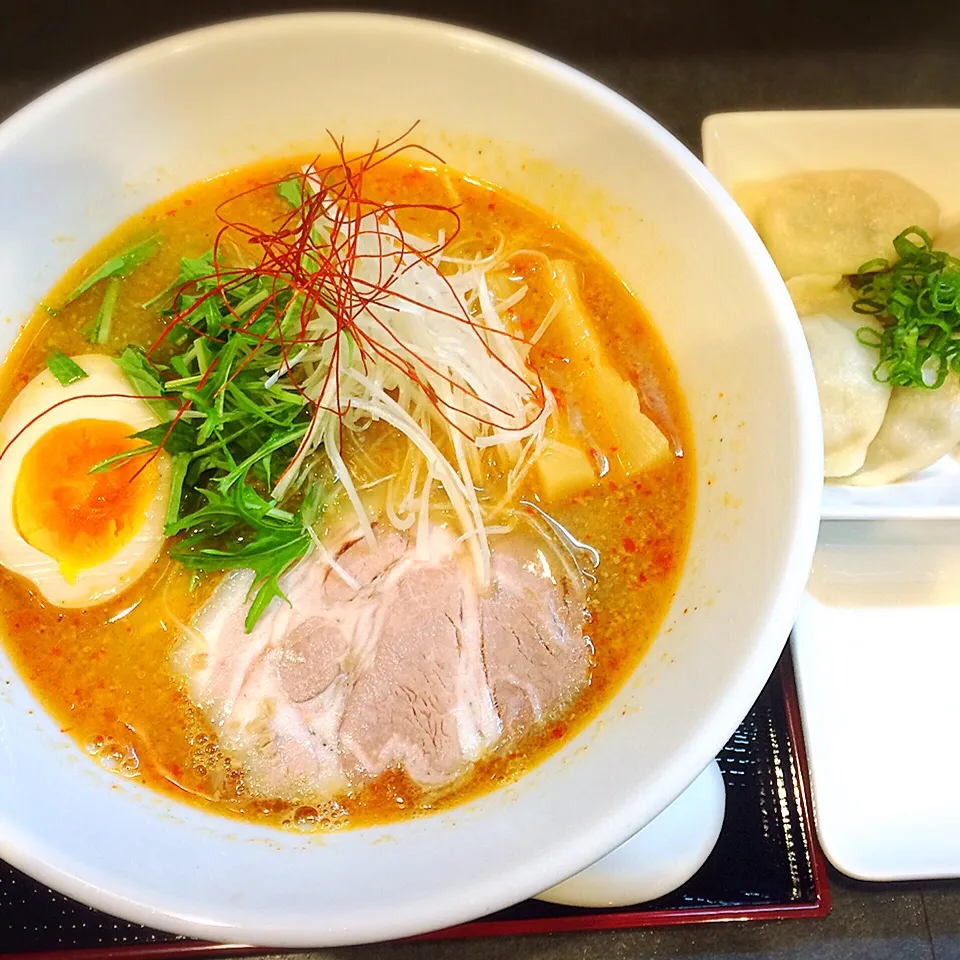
(99, 583)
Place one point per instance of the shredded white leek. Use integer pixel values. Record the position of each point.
(470, 387)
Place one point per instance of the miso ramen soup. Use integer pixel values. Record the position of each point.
(334, 491)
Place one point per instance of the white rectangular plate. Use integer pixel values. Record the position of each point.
(878, 667)
(921, 145)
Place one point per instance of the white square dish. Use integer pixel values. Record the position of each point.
(921, 145)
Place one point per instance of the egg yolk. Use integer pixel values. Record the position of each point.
(78, 518)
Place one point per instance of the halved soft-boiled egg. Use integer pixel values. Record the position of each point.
(80, 537)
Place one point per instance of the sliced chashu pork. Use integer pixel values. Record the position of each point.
(533, 646)
(424, 703)
(399, 662)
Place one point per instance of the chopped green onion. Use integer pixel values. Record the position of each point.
(916, 300)
(67, 371)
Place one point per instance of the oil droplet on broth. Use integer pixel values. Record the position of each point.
(115, 757)
(309, 819)
(305, 817)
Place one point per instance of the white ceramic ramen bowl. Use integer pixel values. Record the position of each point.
(84, 157)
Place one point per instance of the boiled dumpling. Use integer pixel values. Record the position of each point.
(920, 427)
(818, 293)
(751, 196)
(831, 222)
(852, 401)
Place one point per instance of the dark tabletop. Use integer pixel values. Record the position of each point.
(680, 60)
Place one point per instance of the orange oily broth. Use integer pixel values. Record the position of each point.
(109, 684)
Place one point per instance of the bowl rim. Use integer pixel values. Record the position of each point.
(608, 830)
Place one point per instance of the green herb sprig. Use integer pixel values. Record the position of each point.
(278, 539)
(117, 266)
(99, 330)
(916, 299)
(230, 427)
(66, 371)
